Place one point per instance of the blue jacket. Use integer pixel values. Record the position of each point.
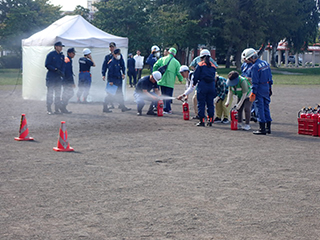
(246, 69)
(56, 67)
(204, 73)
(115, 71)
(68, 73)
(106, 61)
(151, 60)
(131, 65)
(261, 78)
(85, 64)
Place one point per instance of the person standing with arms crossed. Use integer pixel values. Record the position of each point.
(56, 67)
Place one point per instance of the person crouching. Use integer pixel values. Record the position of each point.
(142, 92)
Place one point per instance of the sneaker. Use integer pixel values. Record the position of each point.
(170, 112)
(217, 120)
(151, 113)
(239, 126)
(124, 109)
(246, 127)
(139, 113)
(196, 117)
(225, 121)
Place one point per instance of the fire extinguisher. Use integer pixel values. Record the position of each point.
(234, 119)
(160, 108)
(185, 110)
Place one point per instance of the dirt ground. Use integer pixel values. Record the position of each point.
(144, 177)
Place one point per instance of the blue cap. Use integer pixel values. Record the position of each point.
(116, 51)
(232, 82)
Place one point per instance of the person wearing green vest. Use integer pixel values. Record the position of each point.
(241, 87)
(169, 77)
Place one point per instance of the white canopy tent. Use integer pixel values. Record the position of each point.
(72, 31)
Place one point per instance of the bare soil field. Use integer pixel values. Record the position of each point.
(145, 177)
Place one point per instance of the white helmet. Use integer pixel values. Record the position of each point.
(155, 48)
(86, 51)
(157, 75)
(243, 54)
(184, 68)
(205, 52)
(250, 52)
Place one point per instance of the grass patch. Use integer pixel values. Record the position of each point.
(10, 77)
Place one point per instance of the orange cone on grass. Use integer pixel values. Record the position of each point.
(63, 144)
(23, 131)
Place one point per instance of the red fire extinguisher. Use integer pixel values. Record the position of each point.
(234, 119)
(160, 108)
(185, 110)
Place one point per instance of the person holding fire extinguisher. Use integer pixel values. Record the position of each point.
(204, 76)
(188, 75)
(240, 87)
(143, 92)
(261, 90)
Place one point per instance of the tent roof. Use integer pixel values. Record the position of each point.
(74, 31)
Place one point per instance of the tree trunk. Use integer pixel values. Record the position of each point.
(238, 59)
(273, 51)
(228, 63)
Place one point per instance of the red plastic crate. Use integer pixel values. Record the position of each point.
(307, 126)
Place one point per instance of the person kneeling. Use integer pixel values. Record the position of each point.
(142, 92)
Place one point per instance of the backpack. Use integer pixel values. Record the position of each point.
(163, 68)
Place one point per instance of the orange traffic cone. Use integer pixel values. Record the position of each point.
(23, 131)
(63, 144)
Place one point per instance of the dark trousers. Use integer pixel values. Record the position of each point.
(138, 73)
(67, 93)
(246, 106)
(206, 92)
(132, 74)
(167, 91)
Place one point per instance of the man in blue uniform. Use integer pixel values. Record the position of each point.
(55, 65)
(68, 81)
(153, 57)
(143, 89)
(261, 90)
(116, 70)
(131, 70)
(85, 63)
(105, 65)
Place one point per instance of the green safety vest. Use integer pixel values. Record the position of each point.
(237, 90)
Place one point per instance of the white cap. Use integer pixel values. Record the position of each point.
(86, 51)
(157, 75)
(205, 52)
(155, 48)
(184, 68)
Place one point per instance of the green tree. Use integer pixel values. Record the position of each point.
(307, 30)
(21, 18)
(83, 12)
(126, 19)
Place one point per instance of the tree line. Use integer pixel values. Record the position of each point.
(229, 25)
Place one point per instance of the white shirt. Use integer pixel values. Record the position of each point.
(139, 61)
(189, 84)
